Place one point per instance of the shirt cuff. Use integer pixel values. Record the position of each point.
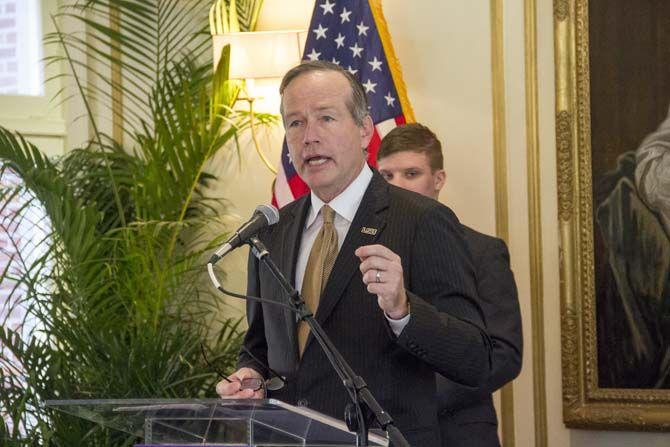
(397, 325)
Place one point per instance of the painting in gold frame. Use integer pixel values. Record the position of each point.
(612, 94)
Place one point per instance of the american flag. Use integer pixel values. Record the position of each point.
(352, 34)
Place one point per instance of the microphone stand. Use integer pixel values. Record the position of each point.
(363, 400)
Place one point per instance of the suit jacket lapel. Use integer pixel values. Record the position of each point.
(294, 222)
(371, 215)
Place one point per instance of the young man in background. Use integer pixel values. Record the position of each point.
(410, 157)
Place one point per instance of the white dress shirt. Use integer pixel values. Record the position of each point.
(345, 206)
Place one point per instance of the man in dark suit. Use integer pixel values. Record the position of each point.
(410, 157)
(400, 301)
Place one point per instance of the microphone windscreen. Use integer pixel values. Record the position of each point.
(270, 212)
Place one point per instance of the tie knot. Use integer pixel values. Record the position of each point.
(328, 214)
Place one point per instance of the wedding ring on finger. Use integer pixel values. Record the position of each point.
(378, 276)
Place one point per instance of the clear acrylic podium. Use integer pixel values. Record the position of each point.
(215, 422)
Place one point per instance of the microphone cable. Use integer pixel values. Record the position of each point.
(219, 287)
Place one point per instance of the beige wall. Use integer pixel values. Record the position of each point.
(445, 51)
(446, 68)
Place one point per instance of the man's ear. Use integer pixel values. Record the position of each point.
(439, 177)
(367, 130)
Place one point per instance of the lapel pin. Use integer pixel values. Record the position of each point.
(370, 231)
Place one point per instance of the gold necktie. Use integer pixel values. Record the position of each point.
(319, 265)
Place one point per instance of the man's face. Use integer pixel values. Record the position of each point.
(411, 170)
(326, 145)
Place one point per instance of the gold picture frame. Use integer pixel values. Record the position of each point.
(585, 403)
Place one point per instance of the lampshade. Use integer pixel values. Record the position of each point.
(263, 54)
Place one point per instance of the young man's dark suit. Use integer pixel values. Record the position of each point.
(400, 371)
(467, 417)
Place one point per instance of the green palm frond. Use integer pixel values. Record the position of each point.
(74, 220)
(112, 285)
(148, 37)
(247, 13)
(234, 15)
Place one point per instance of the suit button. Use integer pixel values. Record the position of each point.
(303, 402)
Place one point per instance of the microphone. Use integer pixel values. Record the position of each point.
(264, 216)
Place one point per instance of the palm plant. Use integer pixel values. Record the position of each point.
(109, 239)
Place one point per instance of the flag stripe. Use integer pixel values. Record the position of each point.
(298, 186)
(386, 126)
(282, 191)
(373, 148)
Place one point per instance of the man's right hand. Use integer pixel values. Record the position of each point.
(232, 390)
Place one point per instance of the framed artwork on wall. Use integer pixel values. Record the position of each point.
(613, 154)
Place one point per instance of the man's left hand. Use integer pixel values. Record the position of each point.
(382, 274)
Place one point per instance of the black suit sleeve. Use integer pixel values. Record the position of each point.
(499, 300)
(254, 340)
(445, 328)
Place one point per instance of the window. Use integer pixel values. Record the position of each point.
(21, 71)
(24, 107)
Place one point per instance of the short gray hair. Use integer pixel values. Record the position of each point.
(358, 100)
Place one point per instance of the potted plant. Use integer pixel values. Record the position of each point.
(108, 240)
